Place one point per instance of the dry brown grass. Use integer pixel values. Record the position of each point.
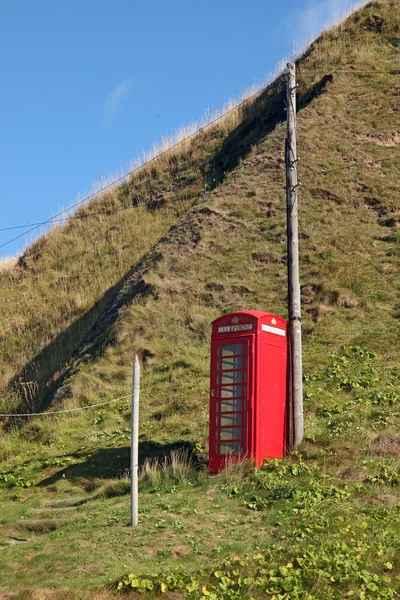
(8, 263)
(61, 280)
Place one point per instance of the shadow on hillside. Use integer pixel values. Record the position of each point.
(258, 120)
(81, 341)
(84, 338)
(113, 462)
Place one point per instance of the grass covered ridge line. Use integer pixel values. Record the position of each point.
(322, 523)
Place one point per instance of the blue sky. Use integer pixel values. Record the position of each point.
(86, 85)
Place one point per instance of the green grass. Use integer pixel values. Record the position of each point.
(333, 505)
(320, 524)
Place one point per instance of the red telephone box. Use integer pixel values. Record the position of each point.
(248, 388)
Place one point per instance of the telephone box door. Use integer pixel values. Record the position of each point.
(230, 400)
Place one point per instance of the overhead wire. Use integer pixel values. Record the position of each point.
(86, 216)
(344, 168)
(114, 182)
(136, 169)
(364, 72)
(117, 210)
(146, 163)
(67, 410)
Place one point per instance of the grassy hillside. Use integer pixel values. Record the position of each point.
(206, 235)
(54, 295)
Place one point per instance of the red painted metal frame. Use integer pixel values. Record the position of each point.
(219, 463)
(266, 338)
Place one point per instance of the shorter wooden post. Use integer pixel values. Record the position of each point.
(135, 442)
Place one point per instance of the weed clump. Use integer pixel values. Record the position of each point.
(178, 469)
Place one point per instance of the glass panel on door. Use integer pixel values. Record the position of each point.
(231, 420)
(228, 448)
(231, 392)
(238, 404)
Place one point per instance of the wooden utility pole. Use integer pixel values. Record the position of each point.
(294, 299)
(135, 442)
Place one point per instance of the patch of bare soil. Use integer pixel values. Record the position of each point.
(381, 500)
(376, 206)
(391, 140)
(347, 301)
(387, 445)
(180, 551)
(352, 474)
(308, 293)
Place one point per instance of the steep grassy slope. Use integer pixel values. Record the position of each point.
(321, 524)
(62, 283)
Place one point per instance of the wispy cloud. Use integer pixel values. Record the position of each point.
(113, 102)
(307, 23)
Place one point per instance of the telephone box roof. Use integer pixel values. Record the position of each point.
(257, 314)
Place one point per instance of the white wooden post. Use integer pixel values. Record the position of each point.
(135, 442)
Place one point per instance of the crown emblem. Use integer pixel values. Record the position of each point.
(273, 321)
(235, 320)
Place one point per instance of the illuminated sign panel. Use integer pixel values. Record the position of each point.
(232, 328)
(275, 330)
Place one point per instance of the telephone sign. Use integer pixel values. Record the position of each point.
(248, 388)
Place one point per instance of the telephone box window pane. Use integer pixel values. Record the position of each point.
(235, 405)
(232, 349)
(231, 362)
(231, 377)
(233, 391)
(230, 434)
(230, 448)
(234, 419)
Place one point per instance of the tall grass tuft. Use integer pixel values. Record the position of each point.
(236, 473)
(179, 468)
